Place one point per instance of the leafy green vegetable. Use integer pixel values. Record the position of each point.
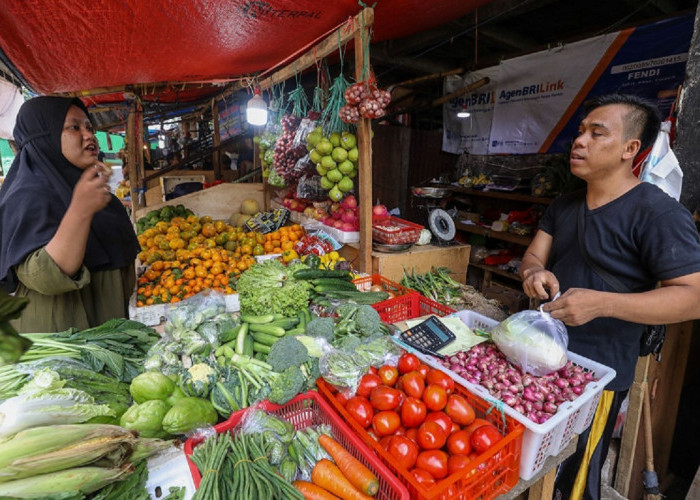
(12, 345)
(132, 487)
(269, 287)
(151, 385)
(146, 418)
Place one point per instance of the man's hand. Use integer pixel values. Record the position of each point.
(537, 281)
(577, 306)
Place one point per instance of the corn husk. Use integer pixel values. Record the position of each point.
(78, 480)
(147, 447)
(53, 448)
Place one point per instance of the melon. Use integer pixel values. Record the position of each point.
(250, 207)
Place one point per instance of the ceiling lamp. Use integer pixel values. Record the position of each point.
(463, 113)
(256, 110)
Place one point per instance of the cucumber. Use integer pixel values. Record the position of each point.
(302, 321)
(310, 274)
(358, 297)
(261, 348)
(334, 288)
(285, 323)
(257, 320)
(240, 339)
(324, 285)
(264, 338)
(270, 329)
(230, 335)
(248, 346)
(295, 331)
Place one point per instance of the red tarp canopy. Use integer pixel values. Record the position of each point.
(70, 45)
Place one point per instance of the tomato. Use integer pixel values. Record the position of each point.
(389, 375)
(433, 461)
(407, 363)
(434, 397)
(455, 427)
(423, 369)
(371, 434)
(459, 410)
(385, 423)
(384, 398)
(368, 382)
(431, 436)
(440, 418)
(458, 443)
(413, 412)
(457, 462)
(341, 398)
(413, 384)
(360, 410)
(404, 451)
(401, 431)
(373, 370)
(484, 438)
(384, 442)
(424, 478)
(478, 422)
(412, 434)
(437, 377)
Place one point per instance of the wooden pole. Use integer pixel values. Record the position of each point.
(138, 134)
(131, 150)
(216, 155)
(364, 145)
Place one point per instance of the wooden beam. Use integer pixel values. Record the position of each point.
(427, 78)
(216, 139)
(459, 92)
(364, 145)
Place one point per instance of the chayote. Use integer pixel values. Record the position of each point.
(151, 385)
(188, 414)
(146, 418)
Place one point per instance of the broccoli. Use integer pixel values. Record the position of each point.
(321, 327)
(360, 320)
(286, 352)
(314, 345)
(312, 371)
(290, 383)
(368, 320)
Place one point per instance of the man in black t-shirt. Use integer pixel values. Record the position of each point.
(634, 232)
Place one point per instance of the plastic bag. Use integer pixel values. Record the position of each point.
(192, 312)
(661, 167)
(532, 340)
(309, 188)
(305, 128)
(339, 368)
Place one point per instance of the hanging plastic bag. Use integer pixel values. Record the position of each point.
(532, 340)
(661, 167)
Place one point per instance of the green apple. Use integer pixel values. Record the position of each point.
(348, 140)
(326, 184)
(335, 194)
(328, 163)
(321, 169)
(335, 139)
(324, 146)
(345, 184)
(353, 155)
(339, 154)
(315, 156)
(346, 167)
(334, 175)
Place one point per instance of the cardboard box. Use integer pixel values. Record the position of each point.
(513, 300)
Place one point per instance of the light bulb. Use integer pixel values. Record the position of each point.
(256, 110)
(463, 114)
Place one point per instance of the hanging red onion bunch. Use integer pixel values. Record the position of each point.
(286, 155)
(365, 100)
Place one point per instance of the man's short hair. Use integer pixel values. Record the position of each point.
(642, 122)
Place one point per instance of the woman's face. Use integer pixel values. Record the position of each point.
(78, 141)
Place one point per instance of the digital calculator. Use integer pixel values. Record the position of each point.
(431, 335)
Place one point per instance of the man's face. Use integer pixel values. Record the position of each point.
(78, 142)
(600, 147)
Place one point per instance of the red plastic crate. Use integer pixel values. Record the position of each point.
(411, 305)
(404, 232)
(364, 284)
(491, 474)
(311, 409)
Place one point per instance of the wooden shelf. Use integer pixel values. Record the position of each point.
(497, 270)
(496, 235)
(503, 195)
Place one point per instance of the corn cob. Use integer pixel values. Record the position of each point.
(78, 480)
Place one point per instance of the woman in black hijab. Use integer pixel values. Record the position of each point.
(66, 242)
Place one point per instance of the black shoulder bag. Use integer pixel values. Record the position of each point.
(653, 336)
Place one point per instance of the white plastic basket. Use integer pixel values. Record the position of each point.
(155, 315)
(549, 438)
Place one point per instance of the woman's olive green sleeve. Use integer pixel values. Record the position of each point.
(40, 273)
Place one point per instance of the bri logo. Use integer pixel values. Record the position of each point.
(539, 88)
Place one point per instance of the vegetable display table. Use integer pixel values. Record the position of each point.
(418, 257)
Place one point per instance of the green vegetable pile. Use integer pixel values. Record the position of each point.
(165, 214)
(12, 345)
(270, 288)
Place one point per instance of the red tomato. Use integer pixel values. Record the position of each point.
(431, 436)
(423, 369)
(412, 434)
(384, 398)
(424, 478)
(401, 431)
(437, 377)
(484, 438)
(368, 382)
(407, 363)
(385, 423)
(403, 450)
(434, 397)
(457, 462)
(458, 443)
(389, 375)
(384, 442)
(341, 398)
(459, 410)
(455, 427)
(433, 461)
(371, 434)
(413, 412)
(360, 410)
(478, 422)
(413, 384)
(373, 370)
(440, 418)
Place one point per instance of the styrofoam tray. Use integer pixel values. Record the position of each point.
(168, 469)
(540, 440)
(155, 314)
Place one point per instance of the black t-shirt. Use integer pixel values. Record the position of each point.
(642, 237)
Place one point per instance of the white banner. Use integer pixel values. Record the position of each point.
(472, 133)
(535, 90)
(10, 101)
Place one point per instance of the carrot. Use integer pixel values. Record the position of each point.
(328, 476)
(359, 475)
(313, 492)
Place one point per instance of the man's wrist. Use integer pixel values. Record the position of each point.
(529, 270)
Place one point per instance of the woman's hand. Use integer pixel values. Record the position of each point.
(91, 194)
(537, 281)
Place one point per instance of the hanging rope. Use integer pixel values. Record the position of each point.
(336, 100)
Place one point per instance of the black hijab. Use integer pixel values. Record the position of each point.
(38, 189)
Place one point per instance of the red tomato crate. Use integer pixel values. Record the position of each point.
(395, 231)
(492, 473)
(311, 409)
(364, 284)
(409, 306)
